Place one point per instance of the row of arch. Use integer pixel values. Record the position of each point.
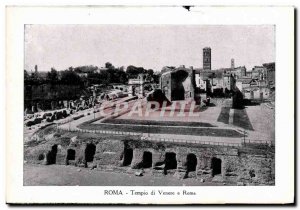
(89, 153)
(170, 161)
(50, 157)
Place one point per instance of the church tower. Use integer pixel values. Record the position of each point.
(206, 58)
(232, 63)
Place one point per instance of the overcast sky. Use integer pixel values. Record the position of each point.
(149, 46)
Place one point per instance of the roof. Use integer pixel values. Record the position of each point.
(169, 70)
(244, 80)
(208, 74)
(223, 70)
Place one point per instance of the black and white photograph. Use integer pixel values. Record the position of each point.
(149, 105)
(122, 110)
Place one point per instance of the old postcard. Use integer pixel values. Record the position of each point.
(139, 110)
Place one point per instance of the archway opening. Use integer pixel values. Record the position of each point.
(90, 152)
(216, 166)
(128, 154)
(147, 160)
(41, 157)
(71, 154)
(170, 161)
(191, 162)
(51, 156)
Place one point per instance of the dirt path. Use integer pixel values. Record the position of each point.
(59, 175)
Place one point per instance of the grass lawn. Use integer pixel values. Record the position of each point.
(224, 115)
(163, 130)
(241, 119)
(152, 122)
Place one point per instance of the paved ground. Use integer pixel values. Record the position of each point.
(106, 112)
(263, 121)
(258, 123)
(60, 175)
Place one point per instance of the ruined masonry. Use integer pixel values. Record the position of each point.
(206, 162)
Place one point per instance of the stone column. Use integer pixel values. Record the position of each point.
(137, 158)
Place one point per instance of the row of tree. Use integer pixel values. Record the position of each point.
(93, 75)
(67, 77)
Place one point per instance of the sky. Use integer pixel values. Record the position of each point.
(148, 46)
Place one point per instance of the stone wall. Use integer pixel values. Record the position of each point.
(204, 162)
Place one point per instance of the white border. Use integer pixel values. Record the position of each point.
(282, 17)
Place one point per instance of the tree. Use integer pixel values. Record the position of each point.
(70, 78)
(150, 72)
(52, 76)
(156, 77)
(108, 65)
(26, 75)
(133, 72)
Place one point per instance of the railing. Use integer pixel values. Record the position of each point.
(144, 136)
(194, 142)
(250, 141)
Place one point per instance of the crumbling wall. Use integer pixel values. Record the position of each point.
(109, 152)
(213, 163)
(51, 153)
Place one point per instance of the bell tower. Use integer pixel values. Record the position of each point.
(232, 63)
(206, 58)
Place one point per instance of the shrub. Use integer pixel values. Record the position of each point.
(65, 114)
(53, 117)
(29, 123)
(59, 115)
(77, 117)
(45, 115)
(38, 120)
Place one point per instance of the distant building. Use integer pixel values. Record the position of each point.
(232, 63)
(249, 74)
(136, 86)
(221, 79)
(101, 69)
(206, 58)
(82, 75)
(270, 67)
(119, 86)
(239, 72)
(253, 88)
(259, 72)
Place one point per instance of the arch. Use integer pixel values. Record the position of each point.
(128, 154)
(90, 152)
(178, 90)
(71, 154)
(170, 161)
(191, 162)
(41, 156)
(51, 156)
(216, 166)
(147, 159)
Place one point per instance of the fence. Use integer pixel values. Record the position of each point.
(243, 142)
(263, 142)
(228, 144)
(143, 135)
